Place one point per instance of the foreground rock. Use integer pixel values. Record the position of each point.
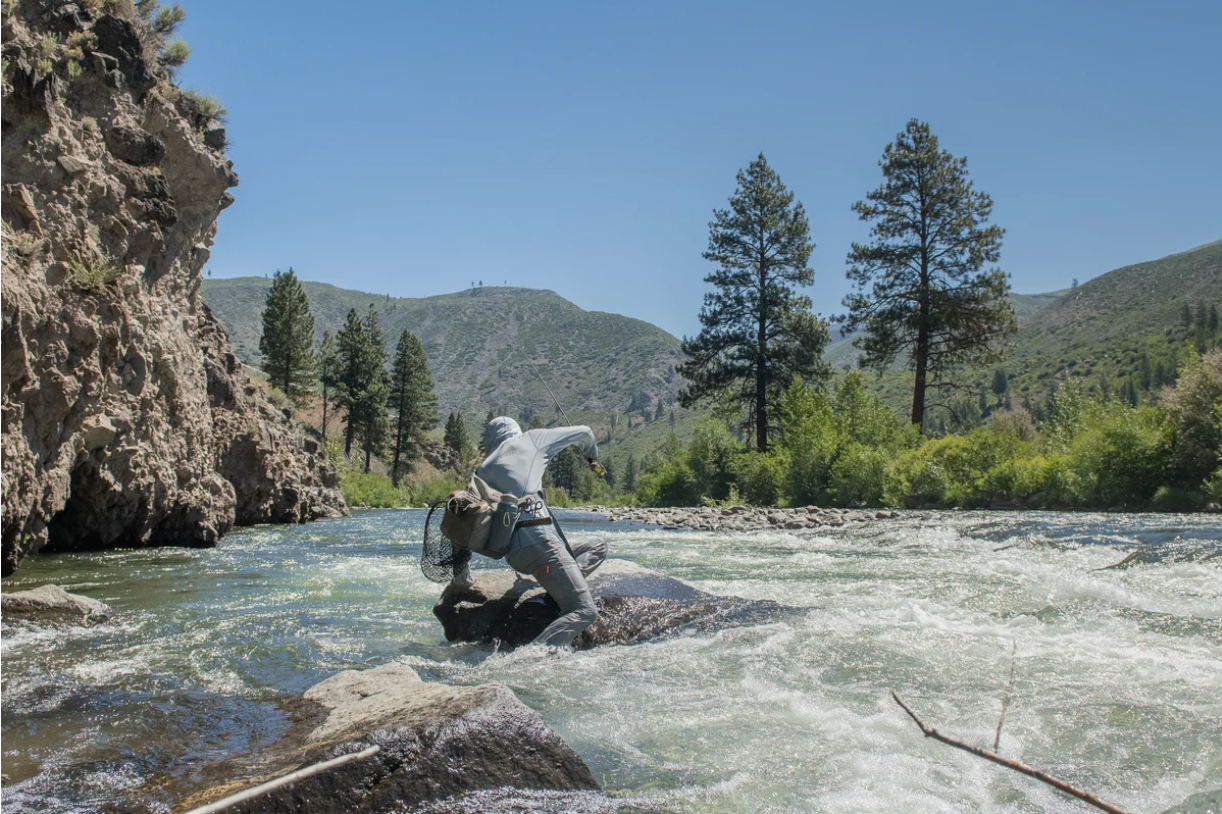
(1206, 802)
(634, 605)
(747, 518)
(127, 420)
(436, 741)
(52, 605)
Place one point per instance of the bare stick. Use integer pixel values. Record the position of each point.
(930, 732)
(263, 788)
(1005, 699)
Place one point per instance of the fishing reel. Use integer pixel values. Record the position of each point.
(597, 468)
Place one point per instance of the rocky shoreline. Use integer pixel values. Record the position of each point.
(751, 518)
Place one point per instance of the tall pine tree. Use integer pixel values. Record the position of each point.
(287, 343)
(374, 419)
(456, 437)
(329, 376)
(922, 289)
(413, 402)
(757, 332)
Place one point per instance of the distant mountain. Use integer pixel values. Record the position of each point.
(479, 342)
(1102, 328)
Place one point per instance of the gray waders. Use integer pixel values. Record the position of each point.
(544, 553)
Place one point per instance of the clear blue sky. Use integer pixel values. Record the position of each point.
(410, 148)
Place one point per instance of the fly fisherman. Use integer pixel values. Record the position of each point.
(515, 465)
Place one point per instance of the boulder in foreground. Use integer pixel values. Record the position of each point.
(635, 604)
(436, 741)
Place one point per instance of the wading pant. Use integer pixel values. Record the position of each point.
(539, 551)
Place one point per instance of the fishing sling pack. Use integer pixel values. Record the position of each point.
(481, 519)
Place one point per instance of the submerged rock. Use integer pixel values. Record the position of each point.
(52, 605)
(436, 741)
(634, 605)
(1206, 802)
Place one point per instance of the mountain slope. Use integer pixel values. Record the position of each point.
(479, 342)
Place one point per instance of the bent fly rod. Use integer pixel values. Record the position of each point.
(597, 468)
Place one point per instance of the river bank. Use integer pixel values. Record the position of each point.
(752, 518)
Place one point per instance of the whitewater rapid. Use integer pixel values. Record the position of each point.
(1112, 625)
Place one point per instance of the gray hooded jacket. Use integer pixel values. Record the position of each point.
(516, 459)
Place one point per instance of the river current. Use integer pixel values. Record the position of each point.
(1112, 625)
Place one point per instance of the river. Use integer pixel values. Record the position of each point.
(1112, 624)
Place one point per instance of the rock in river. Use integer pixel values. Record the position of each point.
(435, 741)
(634, 605)
(52, 605)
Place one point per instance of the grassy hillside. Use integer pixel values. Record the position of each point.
(1125, 323)
(478, 342)
(843, 355)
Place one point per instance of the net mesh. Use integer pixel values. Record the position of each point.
(439, 559)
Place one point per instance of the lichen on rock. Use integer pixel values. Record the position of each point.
(127, 420)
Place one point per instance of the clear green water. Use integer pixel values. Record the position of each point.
(1119, 670)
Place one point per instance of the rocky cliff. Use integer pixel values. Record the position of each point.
(127, 420)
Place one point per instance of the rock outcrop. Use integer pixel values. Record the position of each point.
(52, 605)
(435, 741)
(634, 605)
(127, 420)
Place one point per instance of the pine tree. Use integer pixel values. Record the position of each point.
(1001, 384)
(659, 412)
(1186, 315)
(483, 436)
(757, 332)
(330, 375)
(1145, 375)
(413, 402)
(456, 436)
(287, 343)
(352, 347)
(630, 474)
(922, 291)
(366, 386)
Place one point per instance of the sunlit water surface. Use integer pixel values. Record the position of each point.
(1118, 669)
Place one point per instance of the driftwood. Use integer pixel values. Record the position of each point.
(242, 796)
(1061, 785)
(1005, 700)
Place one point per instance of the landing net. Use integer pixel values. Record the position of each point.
(439, 559)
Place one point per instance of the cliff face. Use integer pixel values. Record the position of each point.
(127, 420)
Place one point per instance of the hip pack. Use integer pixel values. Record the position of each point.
(481, 519)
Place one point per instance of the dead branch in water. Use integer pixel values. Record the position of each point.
(1005, 699)
(1061, 785)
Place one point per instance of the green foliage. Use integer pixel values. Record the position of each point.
(757, 332)
(203, 107)
(761, 477)
(810, 439)
(413, 403)
(287, 343)
(1194, 408)
(366, 387)
(921, 287)
(92, 272)
(330, 377)
(668, 480)
(456, 437)
(173, 56)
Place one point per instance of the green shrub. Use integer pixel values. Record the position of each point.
(859, 475)
(92, 272)
(810, 441)
(710, 456)
(760, 477)
(368, 490)
(1194, 408)
(1171, 499)
(1120, 457)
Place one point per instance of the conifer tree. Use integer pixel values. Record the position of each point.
(922, 291)
(374, 418)
(456, 436)
(757, 332)
(287, 343)
(413, 402)
(330, 375)
(352, 346)
(1001, 383)
(630, 474)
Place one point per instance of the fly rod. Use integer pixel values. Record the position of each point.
(594, 465)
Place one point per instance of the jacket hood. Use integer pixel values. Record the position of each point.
(500, 430)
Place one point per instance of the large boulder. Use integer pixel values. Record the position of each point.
(435, 741)
(52, 605)
(635, 604)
